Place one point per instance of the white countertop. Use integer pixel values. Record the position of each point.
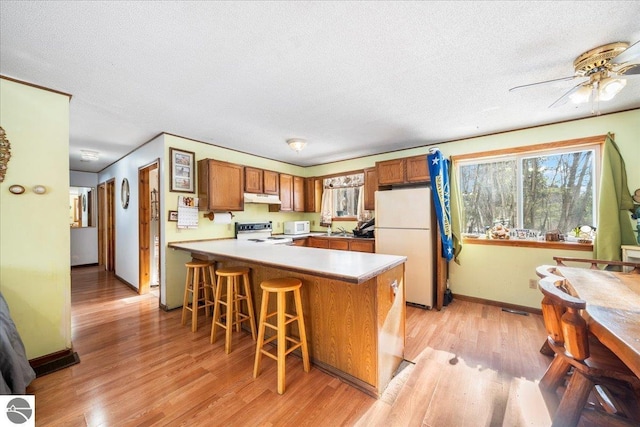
(354, 267)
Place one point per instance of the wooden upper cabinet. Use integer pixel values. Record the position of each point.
(312, 194)
(390, 172)
(261, 181)
(271, 182)
(370, 187)
(417, 169)
(298, 194)
(408, 170)
(253, 180)
(220, 185)
(286, 192)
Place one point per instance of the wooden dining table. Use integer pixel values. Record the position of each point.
(613, 308)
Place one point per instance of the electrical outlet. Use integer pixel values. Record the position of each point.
(533, 284)
(313, 222)
(228, 227)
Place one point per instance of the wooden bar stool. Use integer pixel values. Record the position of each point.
(280, 287)
(198, 291)
(232, 300)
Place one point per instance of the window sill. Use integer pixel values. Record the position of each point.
(570, 246)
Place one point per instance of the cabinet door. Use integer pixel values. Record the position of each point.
(370, 187)
(340, 244)
(220, 186)
(253, 180)
(298, 194)
(417, 169)
(362, 246)
(390, 172)
(271, 183)
(312, 194)
(314, 242)
(299, 242)
(286, 192)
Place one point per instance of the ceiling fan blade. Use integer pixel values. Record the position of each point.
(629, 54)
(542, 83)
(564, 98)
(631, 70)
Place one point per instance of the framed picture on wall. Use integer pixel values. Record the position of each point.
(182, 170)
(173, 216)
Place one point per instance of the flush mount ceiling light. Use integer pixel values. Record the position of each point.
(89, 156)
(296, 144)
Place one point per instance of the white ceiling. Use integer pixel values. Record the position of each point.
(353, 78)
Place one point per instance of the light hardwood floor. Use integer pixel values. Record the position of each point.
(471, 365)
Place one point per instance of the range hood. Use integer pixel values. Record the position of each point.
(270, 199)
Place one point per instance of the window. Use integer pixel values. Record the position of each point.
(342, 198)
(536, 190)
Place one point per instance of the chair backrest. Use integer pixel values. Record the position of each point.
(562, 319)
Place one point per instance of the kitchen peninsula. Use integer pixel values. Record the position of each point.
(353, 302)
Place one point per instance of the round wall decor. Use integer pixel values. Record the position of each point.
(124, 193)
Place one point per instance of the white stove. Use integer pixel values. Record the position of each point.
(259, 233)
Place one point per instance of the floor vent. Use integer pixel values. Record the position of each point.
(520, 312)
(57, 364)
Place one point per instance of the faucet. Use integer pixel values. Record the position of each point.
(343, 231)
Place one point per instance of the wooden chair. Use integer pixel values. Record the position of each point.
(593, 265)
(591, 368)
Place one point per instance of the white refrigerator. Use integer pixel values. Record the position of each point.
(403, 227)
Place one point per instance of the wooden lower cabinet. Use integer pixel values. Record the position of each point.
(344, 244)
(316, 242)
(299, 242)
(363, 246)
(354, 331)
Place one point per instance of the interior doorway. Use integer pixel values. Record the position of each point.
(107, 225)
(149, 229)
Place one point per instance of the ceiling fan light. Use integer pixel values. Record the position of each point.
(610, 87)
(582, 95)
(296, 144)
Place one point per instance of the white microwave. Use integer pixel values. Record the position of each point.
(296, 227)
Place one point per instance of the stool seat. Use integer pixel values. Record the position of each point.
(232, 271)
(286, 284)
(199, 278)
(237, 290)
(285, 343)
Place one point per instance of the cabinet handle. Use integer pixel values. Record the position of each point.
(394, 290)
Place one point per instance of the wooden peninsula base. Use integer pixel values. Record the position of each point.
(355, 331)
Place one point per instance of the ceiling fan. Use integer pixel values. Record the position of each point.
(602, 71)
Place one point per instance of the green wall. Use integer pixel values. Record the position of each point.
(174, 270)
(34, 229)
(502, 273)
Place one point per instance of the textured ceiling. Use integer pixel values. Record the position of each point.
(353, 78)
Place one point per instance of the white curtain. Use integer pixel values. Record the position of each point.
(326, 209)
(360, 211)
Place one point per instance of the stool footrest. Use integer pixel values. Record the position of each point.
(275, 357)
